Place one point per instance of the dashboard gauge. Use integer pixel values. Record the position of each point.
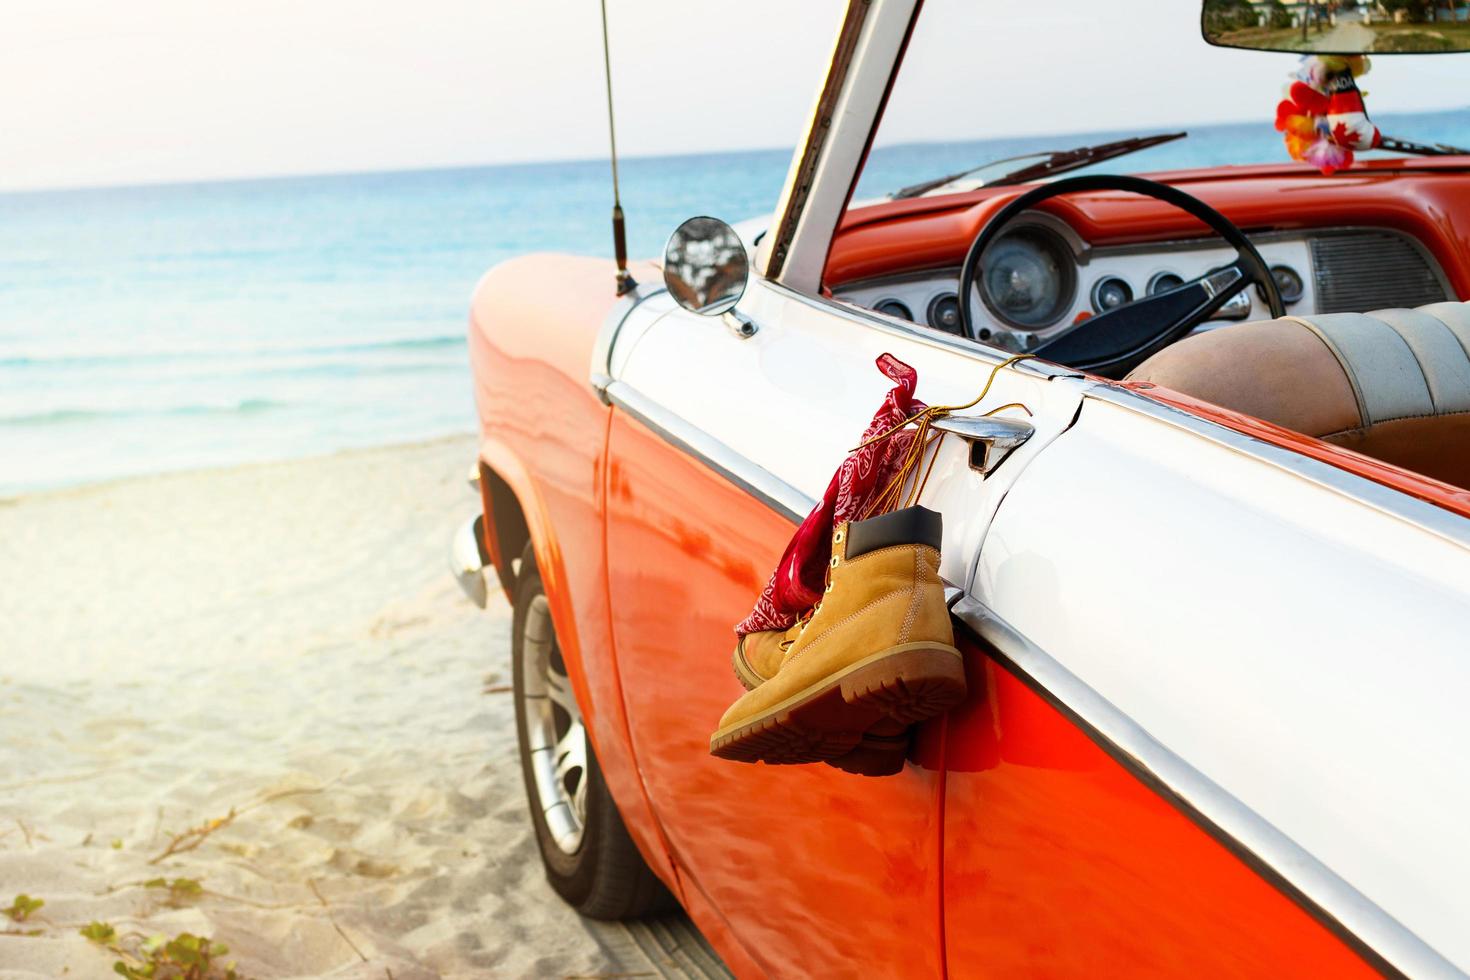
(1162, 282)
(892, 307)
(1109, 293)
(1288, 283)
(1028, 278)
(944, 313)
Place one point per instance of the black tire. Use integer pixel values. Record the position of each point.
(604, 877)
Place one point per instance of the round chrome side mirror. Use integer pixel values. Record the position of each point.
(705, 266)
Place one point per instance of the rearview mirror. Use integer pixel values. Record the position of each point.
(705, 266)
(1339, 26)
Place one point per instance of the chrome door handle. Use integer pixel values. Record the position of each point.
(991, 439)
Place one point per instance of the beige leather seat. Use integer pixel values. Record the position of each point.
(1394, 384)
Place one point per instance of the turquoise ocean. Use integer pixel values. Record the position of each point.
(147, 329)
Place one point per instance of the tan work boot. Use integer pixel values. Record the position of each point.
(882, 750)
(877, 652)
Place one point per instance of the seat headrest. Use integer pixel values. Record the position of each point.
(1401, 363)
(1393, 384)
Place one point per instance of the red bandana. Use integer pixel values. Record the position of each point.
(801, 574)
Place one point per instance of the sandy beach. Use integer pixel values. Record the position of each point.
(280, 642)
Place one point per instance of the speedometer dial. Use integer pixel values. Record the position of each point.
(1028, 279)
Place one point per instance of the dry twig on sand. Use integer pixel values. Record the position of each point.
(311, 883)
(194, 836)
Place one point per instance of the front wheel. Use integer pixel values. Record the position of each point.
(590, 860)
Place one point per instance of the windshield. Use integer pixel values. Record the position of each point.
(993, 81)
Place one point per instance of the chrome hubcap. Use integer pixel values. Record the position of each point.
(554, 729)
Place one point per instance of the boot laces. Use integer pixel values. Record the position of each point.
(801, 624)
(806, 617)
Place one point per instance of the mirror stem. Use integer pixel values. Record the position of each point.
(740, 325)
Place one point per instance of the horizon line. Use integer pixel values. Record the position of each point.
(162, 183)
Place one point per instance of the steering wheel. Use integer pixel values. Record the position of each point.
(1115, 342)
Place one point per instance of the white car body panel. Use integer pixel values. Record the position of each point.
(1304, 650)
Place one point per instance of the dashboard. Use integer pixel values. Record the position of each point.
(1040, 277)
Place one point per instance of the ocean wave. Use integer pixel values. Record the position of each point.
(245, 406)
(72, 358)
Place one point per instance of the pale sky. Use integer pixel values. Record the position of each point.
(96, 92)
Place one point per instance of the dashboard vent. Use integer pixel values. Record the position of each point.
(1366, 271)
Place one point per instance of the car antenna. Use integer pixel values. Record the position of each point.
(626, 283)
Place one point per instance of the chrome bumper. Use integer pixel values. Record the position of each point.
(467, 560)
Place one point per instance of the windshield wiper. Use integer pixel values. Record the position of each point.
(1419, 149)
(1051, 164)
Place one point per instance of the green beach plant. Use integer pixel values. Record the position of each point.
(20, 910)
(179, 890)
(184, 957)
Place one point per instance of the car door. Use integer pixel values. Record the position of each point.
(719, 444)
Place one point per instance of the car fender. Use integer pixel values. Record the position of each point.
(543, 433)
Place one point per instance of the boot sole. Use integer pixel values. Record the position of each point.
(906, 684)
(874, 755)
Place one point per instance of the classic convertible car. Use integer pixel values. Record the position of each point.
(1212, 585)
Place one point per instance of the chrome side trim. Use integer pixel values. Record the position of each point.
(1383, 941)
(600, 373)
(1411, 510)
(774, 492)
